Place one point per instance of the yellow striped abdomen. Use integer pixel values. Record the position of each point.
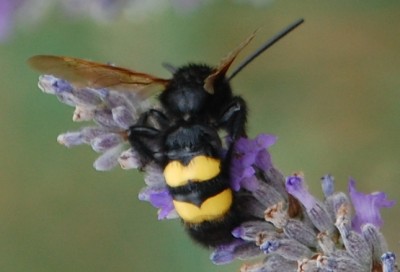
(211, 209)
(200, 168)
(199, 191)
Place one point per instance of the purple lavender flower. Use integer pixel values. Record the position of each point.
(249, 156)
(321, 236)
(315, 209)
(367, 206)
(161, 199)
(109, 136)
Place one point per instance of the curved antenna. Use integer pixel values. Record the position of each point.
(265, 46)
(169, 67)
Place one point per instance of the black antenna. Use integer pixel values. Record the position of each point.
(265, 46)
(172, 69)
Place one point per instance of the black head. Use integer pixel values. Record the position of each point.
(185, 95)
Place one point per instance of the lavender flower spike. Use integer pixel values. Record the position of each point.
(306, 234)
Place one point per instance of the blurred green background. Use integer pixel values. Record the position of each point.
(330, 91)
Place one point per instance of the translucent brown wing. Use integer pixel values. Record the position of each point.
(83, 73)
(224, 64)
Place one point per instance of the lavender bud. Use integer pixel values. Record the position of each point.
(82, 114)
(249, 230)
(355, 244)
(105, 142)
(87, 98)
(123, 117)
(288, 248)
(71, 139)
(108, 159)
(375, 240)
(129, 159)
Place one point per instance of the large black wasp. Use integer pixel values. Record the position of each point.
(182, 137)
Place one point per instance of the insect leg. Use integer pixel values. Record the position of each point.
(147, 142)
(234, 117)
(159, 117)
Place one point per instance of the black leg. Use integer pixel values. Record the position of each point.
(160, 118)
(234, 117)
(147, 142)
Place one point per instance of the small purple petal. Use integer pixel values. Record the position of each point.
(296, 187)
(249, 154)
(316, 210)
(367, 207)
(163, 201)
(266, 140)
(263, 160)
(159, 198)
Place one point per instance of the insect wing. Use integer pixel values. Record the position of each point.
(83, 73)
(224, 65)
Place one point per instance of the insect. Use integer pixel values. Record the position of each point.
(182, 137)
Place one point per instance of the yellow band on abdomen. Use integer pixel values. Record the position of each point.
(200, 168)
(211, 209)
